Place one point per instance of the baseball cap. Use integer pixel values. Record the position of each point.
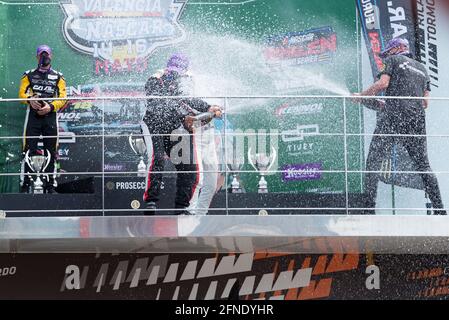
(43, 48)
(394, 43)
(178, 62)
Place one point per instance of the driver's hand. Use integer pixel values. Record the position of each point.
(44, 110)
(188, 122)
(216, 110)
(36, 105)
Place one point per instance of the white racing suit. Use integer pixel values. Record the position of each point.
(208, 169)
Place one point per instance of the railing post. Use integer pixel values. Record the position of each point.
(226, 154)
(345, 123)
(102, 156)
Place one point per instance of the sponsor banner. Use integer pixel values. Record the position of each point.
(113, 167)
(301, 172)
(68, 116)
(427, 37)
(179, 276)
(296, 108)
(432, 22)
(125, 185)
(383, 20)
(247, 276)
(295, 49)
(299, 140)
(125, 192)
(64, 153)
(65, 136)
(121, 35)
(299, 48)
(129, 39)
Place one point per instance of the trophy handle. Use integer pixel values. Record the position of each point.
(27, 159)
(250, 160)
(48, 160)
(130, 140)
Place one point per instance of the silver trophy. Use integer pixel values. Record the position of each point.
(235, 184)
(262, 162)
(139, 147)
(38, 164)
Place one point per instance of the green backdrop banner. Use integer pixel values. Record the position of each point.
(261, 47)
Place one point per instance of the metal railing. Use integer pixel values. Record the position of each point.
(345, 168)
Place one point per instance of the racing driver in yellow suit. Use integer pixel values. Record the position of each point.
(41, 118)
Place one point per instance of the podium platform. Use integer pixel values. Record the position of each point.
(122, 196)
(311, 234)
(235, 257)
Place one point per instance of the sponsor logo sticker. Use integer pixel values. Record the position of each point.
(292, 109)
(135, 204)
(301, 172)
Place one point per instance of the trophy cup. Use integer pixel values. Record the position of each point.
(139, 147)
(38, 164)
(235, 184)
(262, 162)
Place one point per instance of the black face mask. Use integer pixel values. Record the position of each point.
(44, 61)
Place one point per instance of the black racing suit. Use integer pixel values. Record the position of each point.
(48, 84)
(409, 78)
(164, 119)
